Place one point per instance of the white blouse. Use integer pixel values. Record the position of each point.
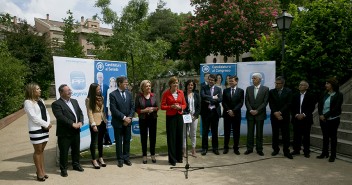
(35, 121)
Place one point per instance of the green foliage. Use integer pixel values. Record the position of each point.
(166, 25)
(71, 47)
(145, 59)
(34, 51)
(227, 27)
(268, 48)
(319, 43)
(13, 74)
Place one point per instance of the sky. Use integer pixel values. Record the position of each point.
(57, 9)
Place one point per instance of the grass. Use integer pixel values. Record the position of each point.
(161, 143)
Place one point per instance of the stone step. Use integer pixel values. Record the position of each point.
(341, 133)
(346, 124)
(343, 146)
(346, 115)
(347, 107)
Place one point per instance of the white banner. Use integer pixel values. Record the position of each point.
(78, 74)
(244, 73)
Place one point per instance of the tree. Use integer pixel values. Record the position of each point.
(227, 27)
(71, 47)
(166, 25)
(129, 42)
(12, 78)
(33, 50)
(319, 43)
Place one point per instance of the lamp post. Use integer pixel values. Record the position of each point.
(283, 23)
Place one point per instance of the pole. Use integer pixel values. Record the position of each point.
(283, 43)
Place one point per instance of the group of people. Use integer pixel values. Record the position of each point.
(286, 107)
(206, 103)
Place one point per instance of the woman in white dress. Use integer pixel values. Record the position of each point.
(38, 125)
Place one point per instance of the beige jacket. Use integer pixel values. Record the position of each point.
(97, 116)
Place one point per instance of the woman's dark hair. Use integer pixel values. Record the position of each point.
(92, 95)
(220, 76)
(188, 82)
(334, 83)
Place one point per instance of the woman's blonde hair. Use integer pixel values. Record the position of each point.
(30, 91)
(172, 80)
(143, 83)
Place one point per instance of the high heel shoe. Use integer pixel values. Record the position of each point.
(322, 156)
(101, 162)
(153, 159)
(45, 176)
(95, 165)
(40, 178)
(145, 160)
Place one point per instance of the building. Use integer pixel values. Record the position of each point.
(245, 57)
(56, 35)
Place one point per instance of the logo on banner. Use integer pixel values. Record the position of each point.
(263, 78)
(78, 80)
(100, 66)
(135, 127)
(205, 69)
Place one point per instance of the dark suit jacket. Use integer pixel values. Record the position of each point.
(258, 104)
(119, 108)
(307, 108)
(140, 103)
(208, 99)
(234, 103)
(65, 117)
(280, 103)
(335, 105)
(196, 98)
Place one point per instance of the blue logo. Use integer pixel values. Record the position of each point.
(135, 127)
(78, 80)
(205, 69)
(100, 66)
(263, 78)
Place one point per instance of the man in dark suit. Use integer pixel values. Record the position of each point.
(279, 102)
(232, 101)
(122, 111)
(69, 118)
(256, 100)
(211, 96)
(303, 105)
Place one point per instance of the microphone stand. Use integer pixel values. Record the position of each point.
(187, 166)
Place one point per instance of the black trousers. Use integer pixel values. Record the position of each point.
(64, 143)
(174, 133)
(210, 120)
(146, 125)
(257, 125)
(301, 135)
(235, 124)
(123, 140)
(329, 129)
(284, 126)
(97, 137)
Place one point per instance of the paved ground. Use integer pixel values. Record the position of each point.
(16, 167)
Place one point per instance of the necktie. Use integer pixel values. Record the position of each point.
(255, 92)
(233, 92)
(212, 91)
(279, 92)
(123, 96)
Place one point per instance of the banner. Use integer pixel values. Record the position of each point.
(78, 74)
(105, 73)
(244, 74)
(222, 72)
(244, 71)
